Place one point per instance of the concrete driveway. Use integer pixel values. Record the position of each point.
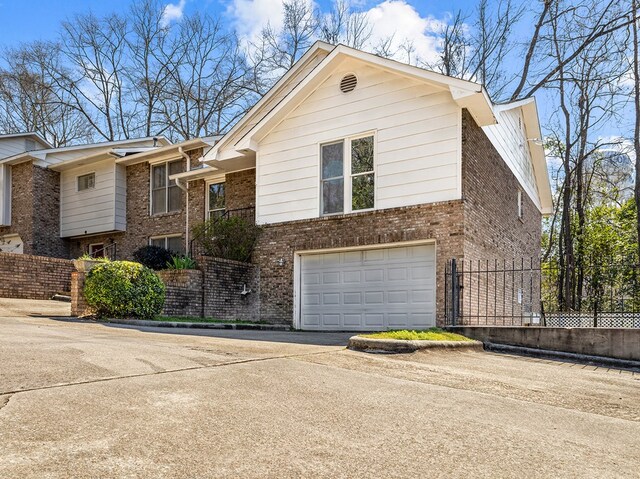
(79, 399)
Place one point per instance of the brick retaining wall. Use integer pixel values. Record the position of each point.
(33, 277)
(223, 281)
(184, 292)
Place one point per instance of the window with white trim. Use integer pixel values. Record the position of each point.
(351, 159)
(172, 243)
(215, 200)
(520, 204)
(86, 182)
(166, 196)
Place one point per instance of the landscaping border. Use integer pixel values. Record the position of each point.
(372, 345)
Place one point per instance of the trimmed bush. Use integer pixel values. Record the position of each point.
(123, 289)
(153, 257)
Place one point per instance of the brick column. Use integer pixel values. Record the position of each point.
(79, 306)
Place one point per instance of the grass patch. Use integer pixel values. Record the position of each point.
(187, 319)
(433, 334)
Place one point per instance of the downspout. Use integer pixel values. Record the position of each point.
(185, 187)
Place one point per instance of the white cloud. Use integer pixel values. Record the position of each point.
(402, 21)
(251, 16)
(173, 12)
(395, 18)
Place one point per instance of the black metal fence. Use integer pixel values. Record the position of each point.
(524, 292)
(197, 244)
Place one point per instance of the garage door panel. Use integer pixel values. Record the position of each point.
(382, 288)
(352, 276)
(374, 275)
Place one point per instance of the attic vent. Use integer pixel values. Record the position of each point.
(348, 83)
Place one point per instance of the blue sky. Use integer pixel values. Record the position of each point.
(44, 16)
(28, 20)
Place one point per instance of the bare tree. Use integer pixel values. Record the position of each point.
(596, 19)
(635, 71)
(285, 46)
(205, 92)
(588, 97)
(92, 77)
(29, 100)
(345, 25)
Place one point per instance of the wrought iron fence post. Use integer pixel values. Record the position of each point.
(455, 293)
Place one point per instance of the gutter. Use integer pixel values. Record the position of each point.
(185, 187)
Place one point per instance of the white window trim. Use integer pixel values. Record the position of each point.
(78, 190)
(347, 207)
(209, 182)
(520, 205)
(166, 198)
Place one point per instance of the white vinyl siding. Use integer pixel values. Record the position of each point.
(509, 137)
(13, 146)
(96, 210)
(417, 130)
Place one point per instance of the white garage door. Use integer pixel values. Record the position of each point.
(374, 289)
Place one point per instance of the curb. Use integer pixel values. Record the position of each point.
(196, 325)
(373, 345)
(563, 355)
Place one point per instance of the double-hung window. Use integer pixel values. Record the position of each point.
(348, 175)
(216, 200)
(171, 242)
(166, 196)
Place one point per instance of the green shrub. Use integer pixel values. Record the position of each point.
(230, 238)
(153, 257)
(181, 262)
(122, 289)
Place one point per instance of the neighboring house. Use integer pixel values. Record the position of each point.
(367, 176)
(62, 202)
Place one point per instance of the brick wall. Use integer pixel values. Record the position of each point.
(494, 235)
(33, 277)
(492, 228)
(184, 292)
(223, 281)
(79, 306)
(442, 222)
(35, 210)
(141, 225)
(240, 189)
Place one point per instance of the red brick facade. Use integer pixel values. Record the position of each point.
(35, 210)
(33, 277)
(442, 222)
(492, 228)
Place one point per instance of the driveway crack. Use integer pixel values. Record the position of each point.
(8, 394)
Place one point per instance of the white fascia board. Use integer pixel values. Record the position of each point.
(538, 156)
(319, 45)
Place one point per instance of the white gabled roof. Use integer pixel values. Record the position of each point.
(469, 95)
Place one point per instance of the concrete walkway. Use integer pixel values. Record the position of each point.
(79, 399)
